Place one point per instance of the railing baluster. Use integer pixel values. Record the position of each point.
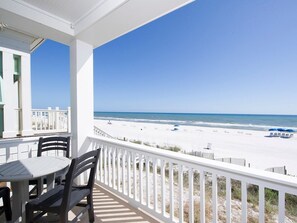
(129, 173)
(191, 196)
(261, 204)
(140, 179)
(181, 193)
(119, 169)
(155, 185)
(100, 164)
(105, 164)
(163, 188)
(214, 198)
(124, 171)
(113, 168)
(243, 202)
(281, 206)
(171, 187)
(134, 178)
(202, 196)
(148, 196)
(228, 199)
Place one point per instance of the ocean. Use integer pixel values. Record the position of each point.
(233, 121)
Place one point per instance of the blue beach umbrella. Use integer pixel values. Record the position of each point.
(281, 130)
(271, 130)
(290, 130)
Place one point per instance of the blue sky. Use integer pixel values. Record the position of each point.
(222, 56)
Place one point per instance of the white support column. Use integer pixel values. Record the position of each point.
(10, 119)
(82, 94)
(25, 96)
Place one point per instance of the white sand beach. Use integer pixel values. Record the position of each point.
(260, 151)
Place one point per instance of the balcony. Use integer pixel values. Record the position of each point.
(171, 187)
(174, 187)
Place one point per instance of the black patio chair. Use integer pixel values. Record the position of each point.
(6, 208)
(64, 197)
(52, 143)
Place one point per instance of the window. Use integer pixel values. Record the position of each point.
(1, 68)
(1, 78)
(17, 67)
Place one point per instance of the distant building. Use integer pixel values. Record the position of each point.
(15, 81)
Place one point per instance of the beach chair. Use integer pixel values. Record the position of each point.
(6, 208)
(50, 144)
(64, 197)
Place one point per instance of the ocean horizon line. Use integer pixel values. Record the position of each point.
(236, 121)
(196, 113)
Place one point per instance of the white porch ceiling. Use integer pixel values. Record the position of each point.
(93, 21)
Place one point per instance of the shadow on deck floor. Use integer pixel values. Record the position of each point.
(110, 208)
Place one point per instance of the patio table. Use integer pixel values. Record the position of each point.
(19, 173)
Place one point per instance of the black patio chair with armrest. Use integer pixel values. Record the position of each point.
(48, 144)
(6, 208)
(64, 197)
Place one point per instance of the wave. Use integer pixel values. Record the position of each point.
(199, 123)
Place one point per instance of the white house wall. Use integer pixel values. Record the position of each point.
(11, 100)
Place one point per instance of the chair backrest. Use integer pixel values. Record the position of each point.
(86, 163)
(54, 143)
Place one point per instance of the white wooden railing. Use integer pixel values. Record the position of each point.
(20, 148)
(51, 120)
(168, 184)
(99, 132)
(17, 148)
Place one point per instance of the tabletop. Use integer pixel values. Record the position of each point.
(31, 168)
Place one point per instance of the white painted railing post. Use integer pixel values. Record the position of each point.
(261, 204)
(171, 188)
(228, 199)
(141, 179)
(243, 202)
(202, 196)
(181, 193)
(155, 180)
(124, 172)
(129, 173)
(134, 176)
(148, 194)
(69, 120)
(50, 120)
(191, 197)
(214, 198)
(163, 188)
(57, 119)
(281, 206)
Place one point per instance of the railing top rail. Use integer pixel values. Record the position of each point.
(48, 110)
(28, 139)
(261, 175)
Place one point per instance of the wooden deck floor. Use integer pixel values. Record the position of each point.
(109, 208)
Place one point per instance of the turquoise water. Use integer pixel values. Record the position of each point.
(236, 121)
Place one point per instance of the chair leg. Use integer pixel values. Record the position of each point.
(29, 214)
(63, 218)
(91, 209)
(7, 206)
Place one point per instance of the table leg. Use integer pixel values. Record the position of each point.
(51, 185)
(20, 195)
(39, 186)
(51, 181)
